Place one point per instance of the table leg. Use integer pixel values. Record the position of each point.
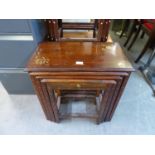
(39, 91)
(112, 102)
(119, 94)
(104, 103)
(53, 102)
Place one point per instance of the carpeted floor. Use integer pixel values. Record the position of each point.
(135, 114)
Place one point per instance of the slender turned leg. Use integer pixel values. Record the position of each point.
(144, 50)
(135, 37)
(131, 33)
(142, 35)
(125, 27)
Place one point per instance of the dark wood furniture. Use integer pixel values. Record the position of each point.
(136, 27)
(126, 23)
(92, 69)
(55, 29)
(148, 27)
(78, 26)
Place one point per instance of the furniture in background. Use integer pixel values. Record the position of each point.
(148, 27)
(148, 73)
(117, 25)
(82, 69)
(55, 29)
(78, 26)
(125, 27)
(136, 27)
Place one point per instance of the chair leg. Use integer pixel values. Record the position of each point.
(142, 35)
(135, 37)
(131, 33)
(95, 28)
(61, 33)
(125, 27)
(144, 50)
(94, 33)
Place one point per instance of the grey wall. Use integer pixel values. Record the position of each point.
(18, 40)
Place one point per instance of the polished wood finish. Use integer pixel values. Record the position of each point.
(79, 69)
(103, 29)
(86, 35)
(65, 56)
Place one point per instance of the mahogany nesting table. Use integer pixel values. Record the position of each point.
(79, 69)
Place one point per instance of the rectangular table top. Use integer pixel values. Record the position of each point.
(79, 56)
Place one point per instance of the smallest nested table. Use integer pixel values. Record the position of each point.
(79, 69)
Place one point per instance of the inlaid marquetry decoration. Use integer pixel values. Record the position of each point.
(41, 60)
(78, 85)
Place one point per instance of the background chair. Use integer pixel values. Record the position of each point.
(125, 27)
(136, 27)
(148, 27)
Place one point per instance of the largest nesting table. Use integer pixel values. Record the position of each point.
(80, 69)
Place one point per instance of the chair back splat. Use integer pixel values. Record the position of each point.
(56, 27)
